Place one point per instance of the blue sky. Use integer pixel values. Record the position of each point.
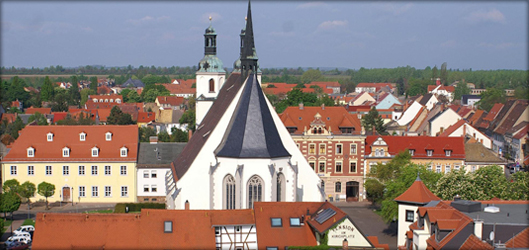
(477, 35)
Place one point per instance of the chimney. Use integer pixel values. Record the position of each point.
(323, 106)
(478, 228)
(301, 106)
(187, 205)
(374, 130)
(438, 81)
(190, 133)
(464, 130)
(345, 244)
(457, 197)
(153, 139)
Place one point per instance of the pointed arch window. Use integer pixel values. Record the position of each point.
(281, 186)
(229, 192)
(255, 190)
(211, 85)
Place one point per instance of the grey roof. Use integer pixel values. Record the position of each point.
(252, 132)
(516, 214)
(476, 152)
(425, 98)
(135, 83)
(465, 98)
(159, 154)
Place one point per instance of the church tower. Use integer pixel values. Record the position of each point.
(248, 60)
(210, 75)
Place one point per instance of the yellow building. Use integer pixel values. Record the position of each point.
(85, 163)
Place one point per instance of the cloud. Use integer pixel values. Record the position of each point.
(148, 19)
(395, 9)
(330, 25)
(493, 16)
(311, 5)
(449, 44)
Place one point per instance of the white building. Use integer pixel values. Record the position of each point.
(440, 122)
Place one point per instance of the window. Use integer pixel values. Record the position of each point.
(82, 136)
(429, 152)
(123, 170)
(295, 222)
(412, 152)
(429, 168)
(338, 187)
(377, 152)
(108, 191)
(146, 188)
(31, 152)
(255, 190)
(312, 165)
(123, 152)
(229, 191)
(272, 248)
(352, 167)
(438, 169)
(353, 148)
(322, 148)
(473, 169)
(211, 86)
(217, 230)
(108, 136)
(456, 167)
(338, 168)
(49, 137)
(339, 148)
(48, 170)
(81, 170)
(447, 169)
(280, 187)
(95, 191)
(95, 152)
(153, 174)
(448, 152)
(167, 226)
(31, 170)
(108, 170)
(154, 188)
(124, 191)
(65, 170)
(82, 191)
(322, 167)
(94, 170)
(312, 148)
(409, 215)
(323, 185)
(145, 173)
(65, 152)
(13, 170)
(382, 152)
(276, 222)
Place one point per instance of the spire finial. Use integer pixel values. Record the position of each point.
(210, 19)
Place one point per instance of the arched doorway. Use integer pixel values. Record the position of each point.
(352, 189)
(66, 194)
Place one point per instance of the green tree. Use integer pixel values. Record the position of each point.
(73, 92)
(489, 182)
(16, 91)
(133, 97)
(163, 136)
(27, 190)
(460, 90)
(60, 101)
(490, 97)
(11, 186)
(47, 90)
(124, 93)
(9, 203)
(444, 74)
(417, 87)
(93, 84)
(151, 91)
(311, 75)
(374, 190)
(145, 133)
(454, 183)
(47, 190)
(373, 119)
(519, 186)
(40, 118)
(117, 117)
(188, 118)
(15, 127)
(84, 95)
(435, 73)
(178, 135)
(521, 92)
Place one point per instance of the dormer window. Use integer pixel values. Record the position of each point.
(108, 136)
(65, 152)
(118, 100)
(82, 136)
(95, 100)
(49, 136)
(31, 152)
(123, 152)
(95, 152)
(412, 152)
(429, 152)
(448, 153)
(111, 100)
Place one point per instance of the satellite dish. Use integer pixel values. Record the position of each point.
(491, 236)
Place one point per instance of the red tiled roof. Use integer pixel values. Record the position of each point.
(474, 243)
(9, 117)
(452, 128)
(57, 116)
(170, 100)
(332, 117)
(44, 111)
(185, 87)
(145, 117)
(417, 193)
(397, 144)
(376, 85)
(68, 136)
(494, 111)
(328, 84)
(476, 116)
(323, 227)
(521, 240)
(376, 244)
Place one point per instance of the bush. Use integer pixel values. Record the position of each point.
(136, 207)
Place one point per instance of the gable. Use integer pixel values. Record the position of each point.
(347, 230)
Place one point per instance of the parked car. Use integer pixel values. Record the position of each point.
(27, 228)
(24, 234)
(18, 246)
(13, 239)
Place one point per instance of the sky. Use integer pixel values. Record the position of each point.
(339, 34)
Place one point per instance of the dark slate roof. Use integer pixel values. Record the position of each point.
(159, 154)
(465, 98)
(228, 91)
(425, 98)
(252, 132)
(136, 83)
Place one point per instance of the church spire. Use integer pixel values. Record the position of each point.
(249, 55)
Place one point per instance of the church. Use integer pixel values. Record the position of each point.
(241, 152)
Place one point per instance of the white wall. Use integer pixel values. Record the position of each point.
(403, 224)
(149, 181)
(448, 118)
(474, 133)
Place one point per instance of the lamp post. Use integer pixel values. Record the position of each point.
(72, 196)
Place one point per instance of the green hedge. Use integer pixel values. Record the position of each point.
(136, 207)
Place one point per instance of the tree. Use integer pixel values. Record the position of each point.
(47, 190)
(117, 117)
(311, 75)
(47, 91)
(189, 118)
(178, 135)
(15, 127)
(145, 133)
(133, 97)
(60, 101)
(9, 203)
(490, 97)
(489, 182)
(417, 87)
(444, 74)
(435, 73)
(454, 183)
(163, 136)
(16, 91)
(373, 119)
(460, 90)
(84, 95)
(27, 190)
(374, 190)
(521, 92)
(93, 84)
(39, 118)
(73, 92)
(519, 186)
(11, 186)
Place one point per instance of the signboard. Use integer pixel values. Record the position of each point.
(346, 230)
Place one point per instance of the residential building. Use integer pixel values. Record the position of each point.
(362, 98)
(375, 87)
(106, 98)
(440, 154)
(133, 83)
(447, 91)
(442, 121)
(470, 100)
(477, 156)
(169, 102)
(331, 141)
(516, 140)
(463, 129)
(85, 163)
(269, 225)
(386, 101)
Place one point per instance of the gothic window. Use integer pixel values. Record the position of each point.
(229, 191)
(281, 187)
(211, 85)
(255, 190)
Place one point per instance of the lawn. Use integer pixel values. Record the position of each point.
(106, 211)
(28, 222)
